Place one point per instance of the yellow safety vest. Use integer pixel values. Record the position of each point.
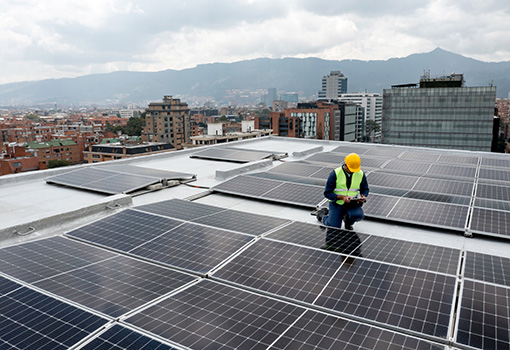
(341, 183)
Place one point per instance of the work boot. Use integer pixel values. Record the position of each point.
(321, 213)
(348, 226)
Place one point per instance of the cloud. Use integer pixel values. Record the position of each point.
(70, 38)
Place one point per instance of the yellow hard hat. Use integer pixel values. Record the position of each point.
(353, 162)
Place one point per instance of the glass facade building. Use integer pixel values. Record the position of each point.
(439, 117)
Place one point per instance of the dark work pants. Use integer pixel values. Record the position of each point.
(337, 213)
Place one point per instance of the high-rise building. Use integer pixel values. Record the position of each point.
(372, 103)
(333, 85)
(167, 122)
(439, 113)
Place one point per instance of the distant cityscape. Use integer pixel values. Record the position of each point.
(436, 112)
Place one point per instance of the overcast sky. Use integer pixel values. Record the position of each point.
(69, 38)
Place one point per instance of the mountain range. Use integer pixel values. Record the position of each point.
(213, 81)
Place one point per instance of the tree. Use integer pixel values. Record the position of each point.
(223, 119)
(372, 127)
(33, 117)
(134, 126)
(56, 163)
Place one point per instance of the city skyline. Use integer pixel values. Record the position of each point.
(69, 39)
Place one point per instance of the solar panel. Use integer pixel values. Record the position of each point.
(483, 316)
(116, 286)
(438, 197)
(384, 152)
(457, 159)
(494, 192)
(487, 268)
(494, 174)
(351, 149)
(415, 300)
(7, 286)
(232, 155)
(328, 158)
(432, 213)
(317, 236)
(124, 231)
(138, 170)
(320, 331)
(411, 254)
(495, 162)
(247, 185)
(180, 209)
(389, 191)
(489, 221)
(31, 320)
(193, 247)
(452, 171)
(298, 169)
(420, 156)
(33, 261)
(460, 188)
(490, 204)
(299, 194)
(211, 315)
(406, 298)
(379, 205)
(391, 180)
(104, 181)
(122, 338)
(241, 221)
(406, 166)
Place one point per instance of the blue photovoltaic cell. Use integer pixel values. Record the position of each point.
(487, 268)
(211, 315)
(490, 221)
(124, 231)
(116, 286)
(7, 286)
(121, 338)
(31, 320)
(33, 261)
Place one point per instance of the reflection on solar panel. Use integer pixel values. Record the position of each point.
(193, 247)
(379, 206)
(404, 300)
(483, 316)
(488, 221)
(116, 286)
(319, 331)
(121, 338)
(124, 231)
(412, 254)
(433, 213)
(232, 154)
(210, 315)
(31, 320)
(317, 236)
(118, 180)
(420, 156)
(501, 193)
(45, 258)
(273, 190)
(180, 209)
(487, 268)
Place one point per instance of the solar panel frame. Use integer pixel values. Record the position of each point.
(116, 286)
(32, 320)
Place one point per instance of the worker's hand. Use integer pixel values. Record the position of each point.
(363, 199)
(346, 199)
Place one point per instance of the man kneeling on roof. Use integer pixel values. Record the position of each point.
(346, 189)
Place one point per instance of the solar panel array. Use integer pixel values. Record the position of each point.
(179, 274)
(232, 154)
(446, 190)
(115, 179)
